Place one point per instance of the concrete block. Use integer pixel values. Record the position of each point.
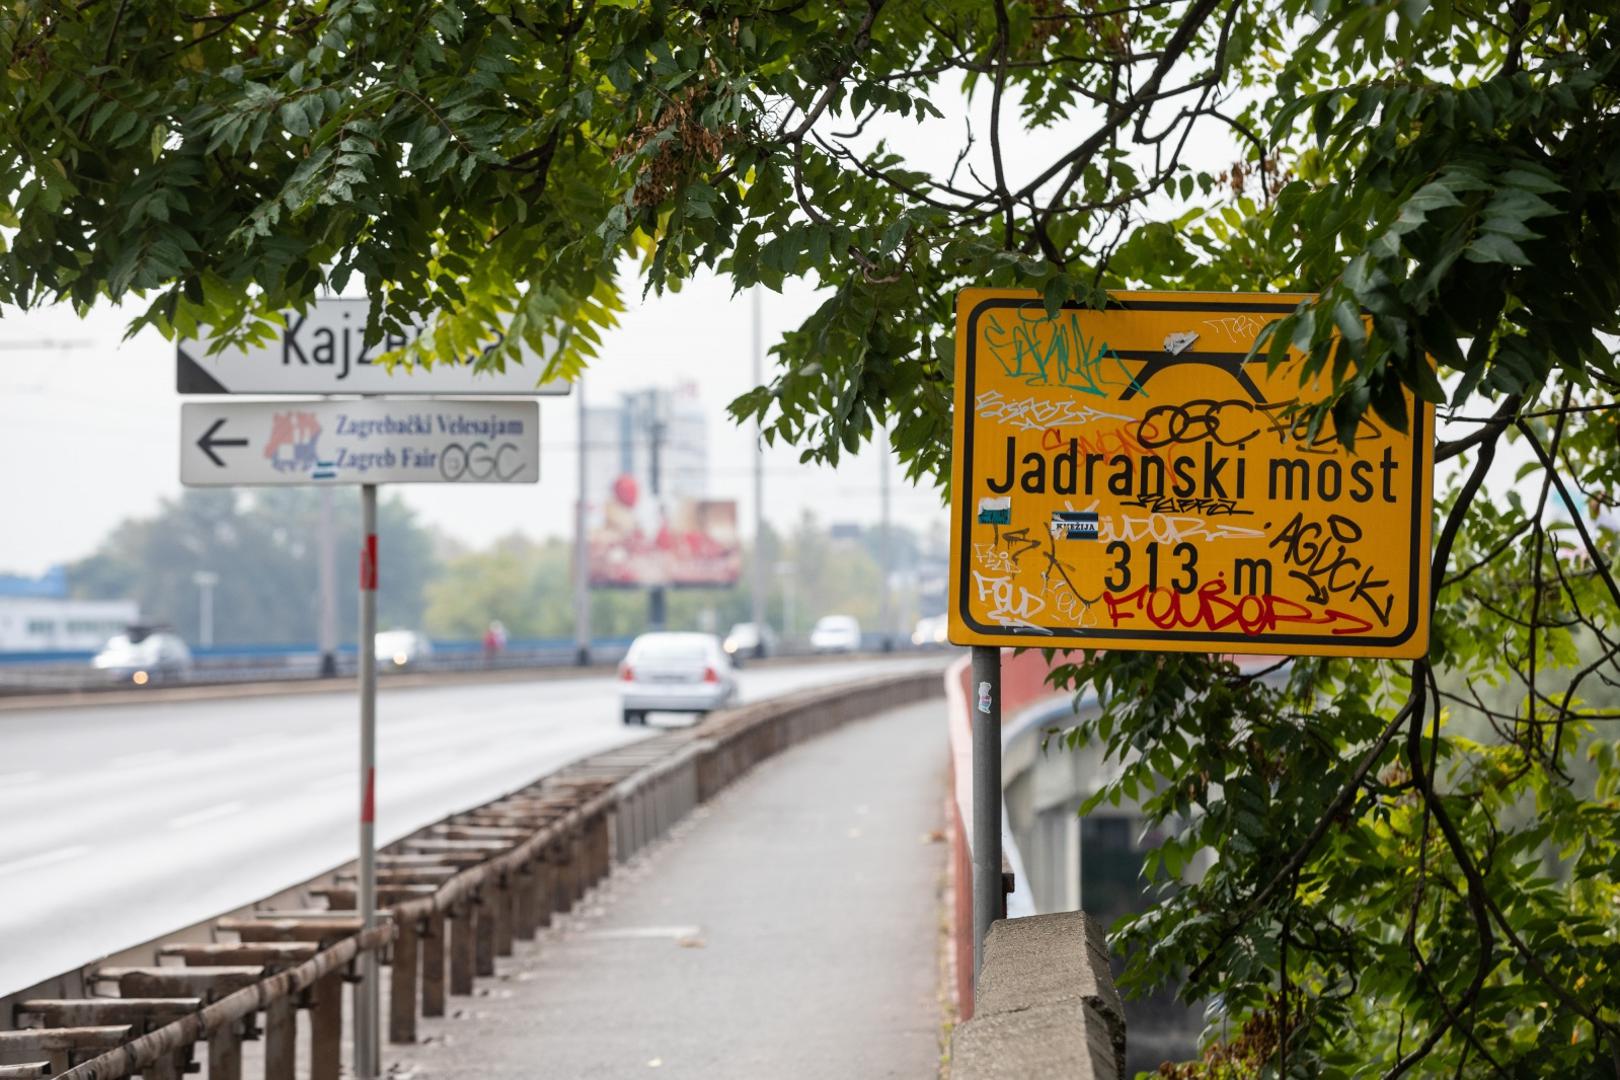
(1065, 1041)
(1045, 1005)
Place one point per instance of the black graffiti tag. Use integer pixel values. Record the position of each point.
(1319, 556)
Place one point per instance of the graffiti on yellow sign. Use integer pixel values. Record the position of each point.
(1130, 478)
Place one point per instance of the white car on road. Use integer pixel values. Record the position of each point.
(931, 632)
(399, 649)
(746, 640)
(674, 672)
(144, 654)
(836, 633)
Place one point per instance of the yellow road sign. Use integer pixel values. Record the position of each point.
(1123, 479)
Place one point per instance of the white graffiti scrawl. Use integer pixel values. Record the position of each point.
(1072, 609)
(1037, 414)
(1240, 328)
(1010, 603)
(993, 558)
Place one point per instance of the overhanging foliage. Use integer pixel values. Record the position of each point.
(1418, 863)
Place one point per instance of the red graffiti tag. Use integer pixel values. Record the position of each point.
(1051, 438)
(1210, 609)
(1118, 440)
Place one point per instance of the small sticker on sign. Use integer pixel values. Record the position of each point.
(1176, 344)
(1074, 524)
(984, 698)
(995, 511)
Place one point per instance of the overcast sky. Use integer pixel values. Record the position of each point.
(89, 429)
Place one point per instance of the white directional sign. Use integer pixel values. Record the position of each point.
(324, 352)
(370, 441)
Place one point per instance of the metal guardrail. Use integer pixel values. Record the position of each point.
(456, 894)
(17, 678)
(306, 654)
(225, 671)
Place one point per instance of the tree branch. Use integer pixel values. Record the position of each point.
(1347, 792)
(1470, 872)
(1002, 195)
(1076, 159)
(1598, 562)
(863, 35)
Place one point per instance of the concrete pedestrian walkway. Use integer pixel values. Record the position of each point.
(788, 930)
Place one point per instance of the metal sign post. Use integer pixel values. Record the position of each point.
(987, 895)
(1131, 478)
(367, 1011)
(361, 442)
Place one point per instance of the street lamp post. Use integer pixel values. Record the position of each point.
(784, 570)
(652, 410)
(886, 618)
(581, 568)
(326, 565)
(205, 580)
(758, 588)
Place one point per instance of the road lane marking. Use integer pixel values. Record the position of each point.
(212, 813)
(43, 859)
(144, 759)
(675, 932)
(343, 781)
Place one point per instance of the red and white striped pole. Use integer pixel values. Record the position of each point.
(367, 1013)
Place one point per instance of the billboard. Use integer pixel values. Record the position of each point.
(649, 519)
(637, 542)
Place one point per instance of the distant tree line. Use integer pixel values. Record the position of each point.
(527, 585)
(263, 546)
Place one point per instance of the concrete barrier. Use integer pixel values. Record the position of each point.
(1023, 682)
(1046, 1006)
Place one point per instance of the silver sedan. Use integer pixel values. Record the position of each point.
(674, 672)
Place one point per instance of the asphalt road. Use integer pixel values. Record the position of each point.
(122, 822)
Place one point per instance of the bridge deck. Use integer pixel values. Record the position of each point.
(788, 929)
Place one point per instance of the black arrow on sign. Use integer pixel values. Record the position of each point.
(207, 443)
